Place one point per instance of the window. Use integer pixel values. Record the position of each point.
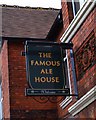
(77, 4)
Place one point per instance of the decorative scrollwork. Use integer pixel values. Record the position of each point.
(85, 55)
(45, 99)
(41, 99)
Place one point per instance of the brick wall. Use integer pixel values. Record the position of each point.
(66, 13)
(84, 42)
(22, 106)
(88, 112)
(84, 47)
(5, 80)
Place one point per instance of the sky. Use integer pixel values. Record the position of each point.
(34, 3)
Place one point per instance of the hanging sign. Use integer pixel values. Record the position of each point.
(45, 69)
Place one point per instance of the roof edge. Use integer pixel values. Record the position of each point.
(21, 38)
(27, 7)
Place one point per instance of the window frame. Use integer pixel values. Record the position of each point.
(75, 6)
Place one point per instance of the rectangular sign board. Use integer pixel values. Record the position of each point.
(45, 70)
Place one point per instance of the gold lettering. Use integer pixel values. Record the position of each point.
(48, 63)
(32, 61)
(43, 79)
(53, 63)
(47, 79)
(46, 71)
(49, 55)
(36, 63)
(37, 79)
(58, 63)
(42, 71)
(40, 54)
(45, 63)
(50, 71)
(53, 79)
(42, 63)
(44, 55)
(57, 79)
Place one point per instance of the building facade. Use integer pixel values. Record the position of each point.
(75, 23)
(81, 31)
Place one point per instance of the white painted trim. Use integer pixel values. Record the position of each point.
(81, 3)
(65, 102)
(83, 102)
(73, 6)
(78, 20)
(68, 99)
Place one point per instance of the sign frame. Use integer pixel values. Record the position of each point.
(31, 91)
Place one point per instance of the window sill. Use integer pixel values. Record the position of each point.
(83, 102)
(65, 102)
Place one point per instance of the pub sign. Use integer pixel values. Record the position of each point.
(45, 69)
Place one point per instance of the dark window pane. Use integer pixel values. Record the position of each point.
(77, 7)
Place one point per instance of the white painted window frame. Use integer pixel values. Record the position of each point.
(78, 20)
(73, 6)
(81, 2)
(83, 102)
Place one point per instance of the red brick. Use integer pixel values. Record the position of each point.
(5, 80)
